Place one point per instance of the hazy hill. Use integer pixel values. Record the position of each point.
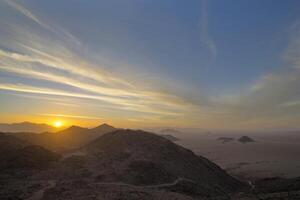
(245, 139)
(64, 140)
(170, 131)
(31, 157)
(225, 139)
(102, 129)
(8, 145)
(26, 127)
(170, 137)
(142, 158)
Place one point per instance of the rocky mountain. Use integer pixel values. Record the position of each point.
(30, 157)
(8, 145)
(245, 139)
(125, 164)
(26, 127)
(142, 158)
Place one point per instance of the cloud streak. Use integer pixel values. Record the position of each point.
(48, 67)
(71, 116)
(35, 57)
(206, 38)
(27, 13)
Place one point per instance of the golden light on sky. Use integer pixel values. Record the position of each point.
(58, 124)
(54, 71)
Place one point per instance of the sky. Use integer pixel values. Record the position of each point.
(160, 63)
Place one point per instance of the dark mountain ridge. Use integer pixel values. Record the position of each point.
(65, 140)
(142, 158)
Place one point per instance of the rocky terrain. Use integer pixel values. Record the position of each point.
(124, 164)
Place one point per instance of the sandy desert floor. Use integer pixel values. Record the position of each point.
(271, 155)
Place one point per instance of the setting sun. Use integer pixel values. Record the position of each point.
(58, 124)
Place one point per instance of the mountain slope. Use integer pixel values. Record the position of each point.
(8, 145)
(31, 157)
(142, 158)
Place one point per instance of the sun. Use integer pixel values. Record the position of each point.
(57, 124)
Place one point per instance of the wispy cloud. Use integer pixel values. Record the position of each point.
(34, 56)
(59, 73)
(206, 38)
(71, 116)
(55, 29)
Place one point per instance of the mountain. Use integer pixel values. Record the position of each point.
(245, 139)
(225, 139)
(124, 164)
(26, 127)
(31, 157)
(103, 128)
(73, 130)
(170, 137)
(17, 153)
(142, 158)
(170, 131)
(64, 140)
(8, 145)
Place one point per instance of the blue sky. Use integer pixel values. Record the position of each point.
(206, 64)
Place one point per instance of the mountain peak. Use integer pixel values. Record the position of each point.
(72, 128)
(103, 128)
(245, 139)
(104, 125)
(143, 158)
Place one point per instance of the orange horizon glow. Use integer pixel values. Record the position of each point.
(58, 124)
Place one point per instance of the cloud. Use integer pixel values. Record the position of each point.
(273, 99)
(33, 55)
(115, 102)
(71, 116)
(59, 72)
(206, 38)
(55, 29)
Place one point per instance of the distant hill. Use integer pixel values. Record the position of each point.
(170, 131)
(170, 137)
(31, 157)
(225, 139)
(245, 139)
(26, 127)
(8, 145)
(142, 158)
(64, 140)
(16, 153)
(102, 129)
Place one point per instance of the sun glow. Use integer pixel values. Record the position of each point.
(57, 124)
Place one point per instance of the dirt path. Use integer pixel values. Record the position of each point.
(146, 186)
(40, 194)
